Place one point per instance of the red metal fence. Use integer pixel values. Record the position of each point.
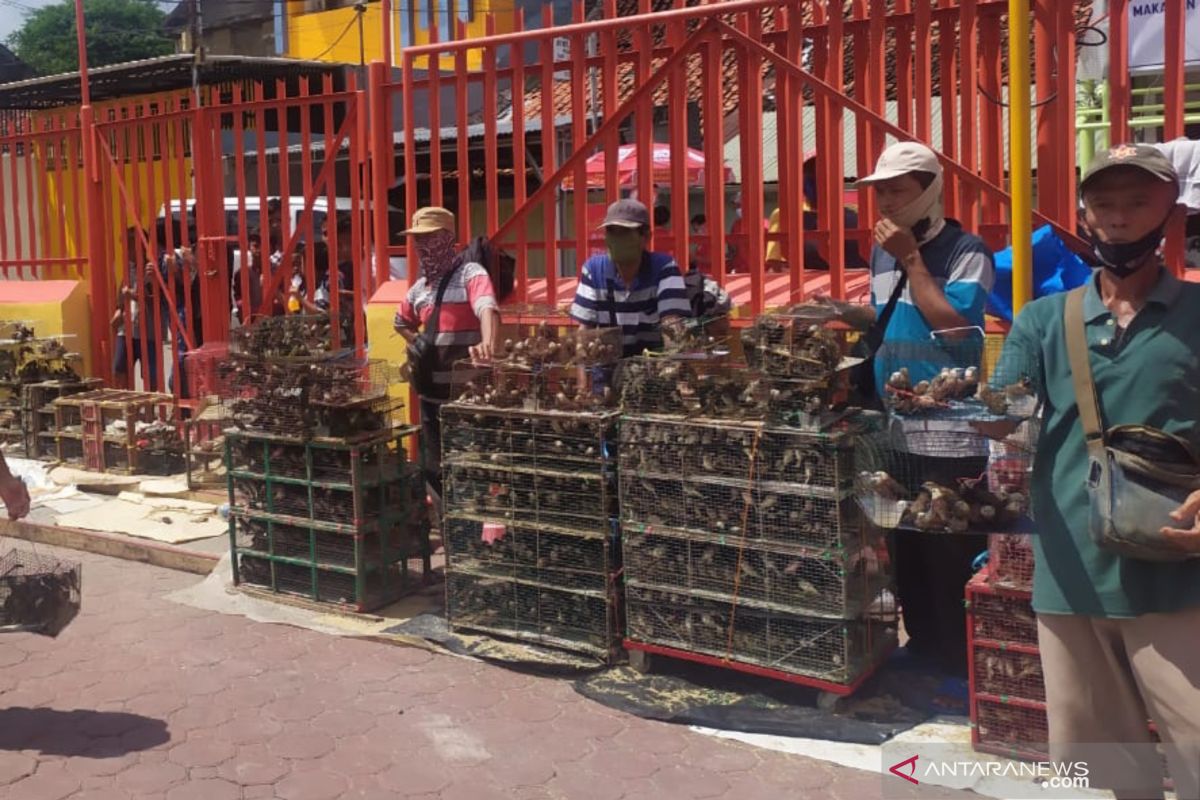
(526, 150)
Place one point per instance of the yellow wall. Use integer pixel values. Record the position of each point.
(52, 308)
(333, 35)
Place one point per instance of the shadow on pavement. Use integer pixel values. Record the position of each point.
(80, 732)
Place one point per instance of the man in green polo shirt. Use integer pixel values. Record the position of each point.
(1119, 637)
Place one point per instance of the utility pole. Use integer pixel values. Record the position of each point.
(194, 27)
(361, 9)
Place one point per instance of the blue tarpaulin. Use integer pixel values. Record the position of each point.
(1055, 269)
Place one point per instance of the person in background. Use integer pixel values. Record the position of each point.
(129, 326)
(630, 287)
(738, 243)
(468, 321)
(179, 270)
(701, 247)
(244, 312)
(941, 276)
(13, 492)
(1119, 636)
(812, 253)
(662, 216)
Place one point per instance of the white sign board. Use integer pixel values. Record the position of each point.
(1147, 20)
(562, 52)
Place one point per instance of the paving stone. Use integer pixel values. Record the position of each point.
(253, 764)
(617, 762)
(300, 744)
(415, 778)
(50, 782)
(149, 778)
(201, 753)
(312, 785)
(206, 789)
(14, 766)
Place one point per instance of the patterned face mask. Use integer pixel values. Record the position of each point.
(435, 254)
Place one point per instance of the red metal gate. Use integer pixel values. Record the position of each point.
(683, 73)
(215, 209)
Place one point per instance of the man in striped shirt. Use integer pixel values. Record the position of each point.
(630, 287)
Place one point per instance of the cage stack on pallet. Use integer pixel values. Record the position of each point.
(1007, 693)
(33, 372)
(530, 495)
(743, 546)
(113, 430)
(324, 504)
(204, 429)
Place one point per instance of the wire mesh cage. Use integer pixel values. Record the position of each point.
(1008, 673)
(202, 367)
(312, 546)
(344, 398)
(580, 620)
(1000, 616)
(809, 341)
(841, 582)
(298, 338)
(543, 387)
(1015, 730)
(576, 500)
(1010, 560)
(712, 386)
(833, 650)
(358, 591)
(544, 336)
(957, 375)
(501, 437)
(38, 593)
(946, 476)
(333, 463)
(530, 554)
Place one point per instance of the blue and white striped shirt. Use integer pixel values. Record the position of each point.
(603, 300)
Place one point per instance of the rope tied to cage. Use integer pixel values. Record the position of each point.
(747, 500)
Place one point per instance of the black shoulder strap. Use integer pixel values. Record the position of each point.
(877, 331)
(431, 327)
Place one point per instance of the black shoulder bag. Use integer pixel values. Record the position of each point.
(422, 350)
(863, 376)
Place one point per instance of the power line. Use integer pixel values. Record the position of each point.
(339, 38)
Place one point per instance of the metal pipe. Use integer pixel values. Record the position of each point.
(1020, 170)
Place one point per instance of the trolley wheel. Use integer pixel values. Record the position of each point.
(827, 701)
(641, 661)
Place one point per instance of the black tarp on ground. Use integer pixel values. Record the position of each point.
(905, 693)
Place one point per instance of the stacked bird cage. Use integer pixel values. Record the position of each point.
(33, 371)
(743, 546)
(958, 451)
(530, 498)
(1007, 691)
(329, 520)
(113, 430)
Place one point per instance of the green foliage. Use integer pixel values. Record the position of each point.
(117, 31)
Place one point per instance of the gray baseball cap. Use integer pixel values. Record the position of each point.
(1145, 157)
(627, 213)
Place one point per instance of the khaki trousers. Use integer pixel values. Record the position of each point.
(1105, 678)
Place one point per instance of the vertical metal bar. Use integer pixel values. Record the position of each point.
(8, 140)
(491, 146)
(904, 69)
(462, 156)
(245, 308)
(21, 143)
(306, 177)
(283, 166)
(549, 165)
(331, 209)
(1018, 138)
(923, 81)
(36, 246)
(435, 121)
(610, 92)
(56, 219)
(644, 115)
(992, 118)
(358, 261)
(78, 187)
(825, 143)
(1118, 71)
(1047, 112)
(260, 160)
(382, 156)
(517, 56)
(876, 44)
(410, 160)
(1065, 158)
(752, 168)
(792, 205)
(969, 46)
(578, 136)
(677, 127)
(950, 91)
(836, 172)
(1173, 113)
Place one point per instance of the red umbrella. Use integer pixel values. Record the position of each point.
(661, 159)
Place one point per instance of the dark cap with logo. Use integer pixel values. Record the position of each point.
(1145, 157)
(627, 213)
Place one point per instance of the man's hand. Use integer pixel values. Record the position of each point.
(895, 239)
(1186, 539)
(481, 353)
(15, 496)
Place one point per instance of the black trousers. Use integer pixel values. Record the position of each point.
(932, 571)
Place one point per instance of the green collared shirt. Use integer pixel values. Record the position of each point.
(1148, 374)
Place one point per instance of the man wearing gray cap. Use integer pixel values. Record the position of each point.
(1119, 630)
(630, 287)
